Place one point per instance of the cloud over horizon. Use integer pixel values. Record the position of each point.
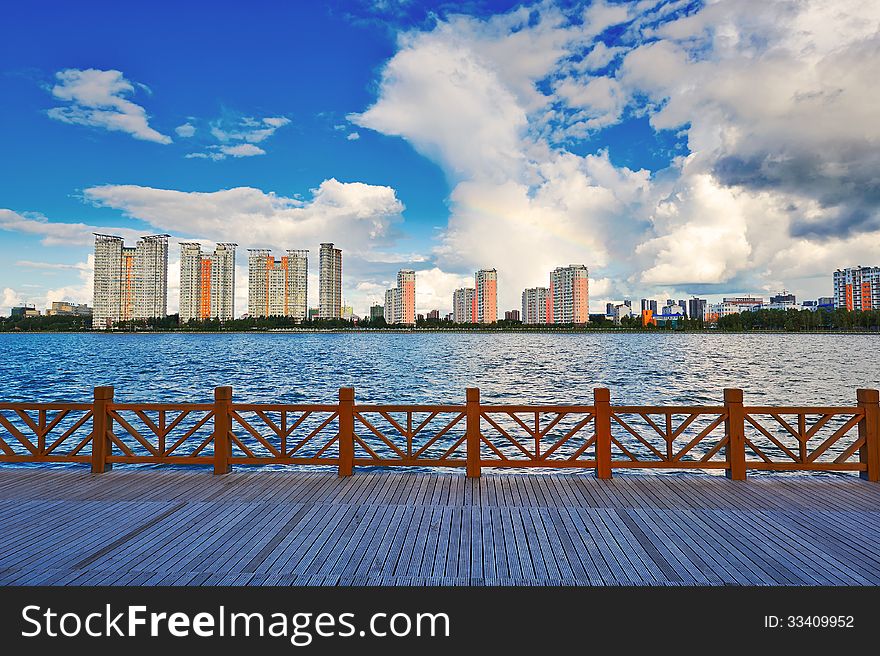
(775, 101)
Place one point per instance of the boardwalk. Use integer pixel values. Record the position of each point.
(174, 527)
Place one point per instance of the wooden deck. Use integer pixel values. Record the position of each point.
(174, 527)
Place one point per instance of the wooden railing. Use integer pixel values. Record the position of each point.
(601, 436)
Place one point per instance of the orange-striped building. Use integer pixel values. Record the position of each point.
(129, 282)
(857, 288)
(207, 282)
(278, 287)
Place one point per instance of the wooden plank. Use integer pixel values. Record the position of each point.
(308, 527)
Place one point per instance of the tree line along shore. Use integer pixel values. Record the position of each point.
(821, 320)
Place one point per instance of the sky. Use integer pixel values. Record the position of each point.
(675, 147)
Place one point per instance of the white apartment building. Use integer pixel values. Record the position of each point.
(390, 305)
(570, 294)
(129, 283)
(207, 282)
(857, 288)
(329, 282)
(278, 287)
(535, 305)
(463, 305)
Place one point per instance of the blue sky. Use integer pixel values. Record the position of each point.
(446, 137)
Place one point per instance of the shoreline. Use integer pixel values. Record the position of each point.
(431, 331)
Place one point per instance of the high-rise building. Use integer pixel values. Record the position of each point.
(696, 308)
(405, 297)
(390, 304)
(857, 288)
(684, 305)
(400, 301)
(130, 283)
(570, 294)
(434, 314)
(330, 282)
(649, 304)
(463, 305)
(511, 315)
(278, 288)
(536, 305)
(377, 311)
(207, 282)
(486, 297)
(609, 309)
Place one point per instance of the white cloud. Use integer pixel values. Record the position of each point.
(56, 233)
(48, 265)
(776, 100)
(99, 99)
(462, 95)
(248, 129)
(353, 136)
(358, 217)
(437, 94)
(11, 299)
(355, 214)
(186, 130)
(242, 150)
(434, 289)
(600, 56)
(238, 137)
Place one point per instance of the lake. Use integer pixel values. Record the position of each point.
(407, 368)
(795, 369)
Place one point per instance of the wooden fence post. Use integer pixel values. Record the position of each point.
(869, 429)
(736, 434)
(102, 424)
(222, 429)
(472, 431)
(602, 417)
(346, 431)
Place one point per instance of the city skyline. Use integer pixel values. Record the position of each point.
(130, 284)
(596, 132)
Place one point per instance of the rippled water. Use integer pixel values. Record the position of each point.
(509, 368)
(415, 368)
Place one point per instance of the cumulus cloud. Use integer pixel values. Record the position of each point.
(360, 218)
(11, 298)
(434, 288)
(54, 233)
(100, 99)
(354, 214)
(353, 136)
(775, 100)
